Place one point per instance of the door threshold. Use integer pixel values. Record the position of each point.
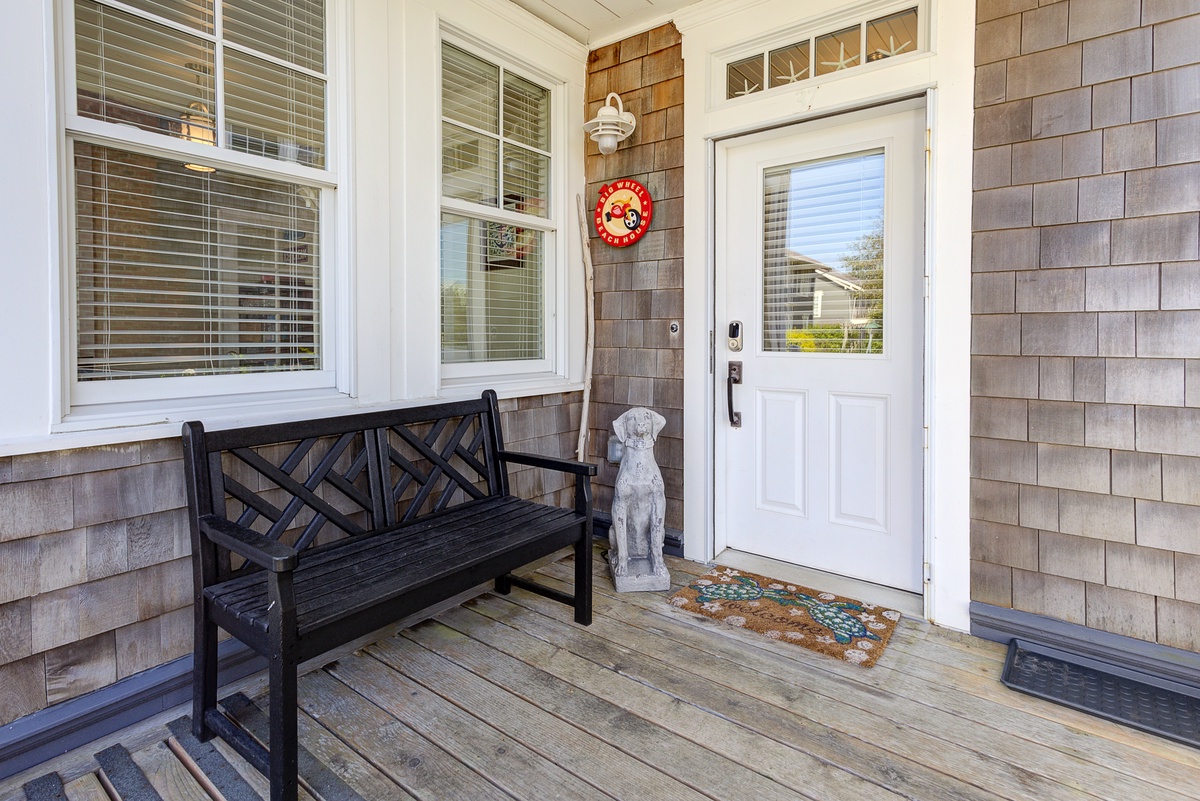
(909, 603)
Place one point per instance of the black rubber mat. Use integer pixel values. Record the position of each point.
(1159, 706)
(45, 788)
(213, 764)
(125, 775)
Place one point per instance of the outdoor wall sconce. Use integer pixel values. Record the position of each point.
(610, 125)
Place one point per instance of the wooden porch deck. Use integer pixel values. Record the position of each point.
(504, 698)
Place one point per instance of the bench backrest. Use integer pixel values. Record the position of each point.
(312, 481)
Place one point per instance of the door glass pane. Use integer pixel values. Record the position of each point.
(823, 255)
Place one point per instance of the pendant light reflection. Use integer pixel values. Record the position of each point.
(196, 126)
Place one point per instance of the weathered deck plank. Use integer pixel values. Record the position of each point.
(421, 768)
(986, 714)
(86, 788)
(591, 759)
(505, 699)
(967, 712)
(502, 760)
(792, 767)
(713, 774)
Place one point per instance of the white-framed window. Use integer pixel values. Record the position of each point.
(498, 218)
(201, 195)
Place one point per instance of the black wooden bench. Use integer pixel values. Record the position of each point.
(308, 536)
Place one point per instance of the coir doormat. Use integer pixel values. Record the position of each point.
(851, 630)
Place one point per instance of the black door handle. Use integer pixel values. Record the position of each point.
(735, 377)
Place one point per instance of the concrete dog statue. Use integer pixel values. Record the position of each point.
(635, 541)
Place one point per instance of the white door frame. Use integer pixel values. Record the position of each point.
(946, 76)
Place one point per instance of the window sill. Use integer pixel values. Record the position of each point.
(514, 386)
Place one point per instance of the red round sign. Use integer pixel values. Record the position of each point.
(623, 213)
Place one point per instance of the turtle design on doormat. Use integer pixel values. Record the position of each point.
(832, 615)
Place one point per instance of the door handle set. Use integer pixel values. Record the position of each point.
(735, 377)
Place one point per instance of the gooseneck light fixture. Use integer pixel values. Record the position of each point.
(610, 125)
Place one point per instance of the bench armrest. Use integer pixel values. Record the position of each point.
(548, 462)
(262, 551)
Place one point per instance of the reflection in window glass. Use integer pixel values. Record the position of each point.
(491, 291)
(839, 50)
(823, 256)
(893, 35)
(744, 77)
(136, 72)
(274, 111)
(790, 64)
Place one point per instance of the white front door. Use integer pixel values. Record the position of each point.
(819, 254)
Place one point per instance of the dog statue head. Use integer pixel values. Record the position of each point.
(638, 428)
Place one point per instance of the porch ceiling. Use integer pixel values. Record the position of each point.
(598, 21)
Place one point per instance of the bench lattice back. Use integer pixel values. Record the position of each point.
(307, 484)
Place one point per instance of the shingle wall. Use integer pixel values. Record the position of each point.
(1085, 331)
(639, 289)
(95, 575)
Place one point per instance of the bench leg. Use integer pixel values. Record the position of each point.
(284, 742)
(503, 585)
(583, 578)
(204, 674)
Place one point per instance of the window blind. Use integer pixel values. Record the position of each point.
(495, 153)
(140, 72)
(290, 30)
(186, 273)
(137, 72)
(191, 269)
(491, 291)
(823, 255)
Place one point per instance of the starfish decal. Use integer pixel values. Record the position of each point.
(893, 50)
(792, 76)
(842, 62)
(747, 88)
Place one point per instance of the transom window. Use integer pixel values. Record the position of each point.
(824, 53)
(496, 224)
(199, 134)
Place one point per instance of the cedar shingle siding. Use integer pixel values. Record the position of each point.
(1085, 335)
(639, 289)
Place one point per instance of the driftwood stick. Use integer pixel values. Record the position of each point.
(590, 313)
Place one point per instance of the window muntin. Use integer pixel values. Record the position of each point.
(496, 171)
(825, 53)
(184, 268)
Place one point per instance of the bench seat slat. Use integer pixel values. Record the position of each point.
(366, 571)
(335, 556)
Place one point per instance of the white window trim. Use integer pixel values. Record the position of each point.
(130, 402)
(552, 368)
